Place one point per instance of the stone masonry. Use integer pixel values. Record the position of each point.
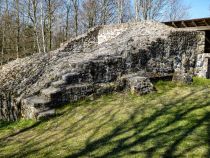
(103, 60)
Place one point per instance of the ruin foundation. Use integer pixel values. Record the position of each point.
(103, 60)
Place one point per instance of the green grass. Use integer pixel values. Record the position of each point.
(172, 122)
(201, 81)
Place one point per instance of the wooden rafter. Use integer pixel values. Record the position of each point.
(208, 40)
(173, 23)
(206, 23)
(197, 24)
(199, 28)
(183, 24)
(194, 23)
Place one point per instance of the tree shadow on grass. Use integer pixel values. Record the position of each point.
(22, 130)
(160, 133)
(30, 146)
(4, 124)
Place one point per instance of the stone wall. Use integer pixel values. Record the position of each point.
(109, 32)
(187, 45)
(184, 47)
(96, 35)
(202, 65)
(9, 108)
(94, 63)
(82, 43)
(193, 43)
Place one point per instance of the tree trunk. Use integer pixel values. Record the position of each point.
(18, 28)
(2, 49)
(42, 25)
(67, 21)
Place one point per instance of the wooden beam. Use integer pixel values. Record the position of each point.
(193, 22)
(199, 28)
(173, 23)
(208, 40)
(183, 24)
(206, 23)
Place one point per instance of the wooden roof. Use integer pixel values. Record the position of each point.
(197, 24)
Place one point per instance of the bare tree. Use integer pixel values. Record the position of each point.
(50, 10)
(33, 15)
(6, 26)
(42, 26)
(2, 31)
(67, 4)
(151, 9)
(76, 14)
(17, 10)
(137, 9)
(89, 9)
(123, 10)
(159, 9)
(120, 10)
(176, 10)
(106, 11)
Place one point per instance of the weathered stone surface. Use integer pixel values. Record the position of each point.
(136, 83)
(140, 85)
(46, 114)
(32, 106)
(183, 77)
(72, 77)
(77, 91)
(82, 43)
(101, 56)
(106, 88)
(59, 84)
(51, 92)
(202, 64)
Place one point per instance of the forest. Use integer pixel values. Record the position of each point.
(39, 26)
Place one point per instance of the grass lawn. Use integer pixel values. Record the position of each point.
(172, 122)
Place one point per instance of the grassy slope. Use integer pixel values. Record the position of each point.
(175, 121)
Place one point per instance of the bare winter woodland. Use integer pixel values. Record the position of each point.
(30, 26)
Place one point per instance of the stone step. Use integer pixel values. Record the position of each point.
(75, 92)
(52, 93)
(73, 77)
(67, 93)
(38, 107)
(140, 85)
(32, 106)
(37, 101)
(59, 84)
(76, 88)
(46, 114)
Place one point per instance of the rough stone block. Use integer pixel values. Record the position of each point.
(51, 93)
(72, 77)
(31, 106)
(106, 88)
(140, 85)
(183, 77)
(59, 84)
(46, 114)
(77, 91)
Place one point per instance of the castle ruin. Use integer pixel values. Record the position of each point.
(103, 60)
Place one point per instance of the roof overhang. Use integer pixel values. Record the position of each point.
(194, 24)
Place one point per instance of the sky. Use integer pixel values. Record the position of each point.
(199, 8)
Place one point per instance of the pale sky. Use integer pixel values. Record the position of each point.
(199, 8)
